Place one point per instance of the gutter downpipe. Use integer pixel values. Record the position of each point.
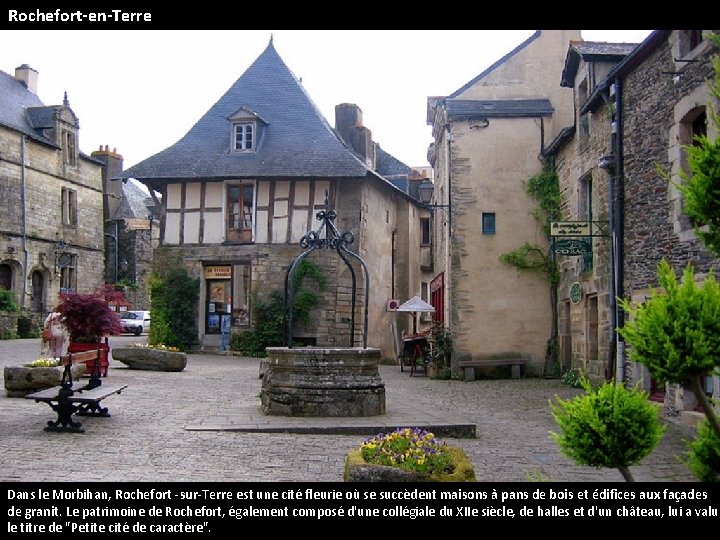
(24, 219)
(619, 232)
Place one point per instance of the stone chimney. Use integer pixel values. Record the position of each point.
(349, 124)
(113, 165)
(28, 76)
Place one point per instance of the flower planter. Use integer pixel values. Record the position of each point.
(23, 380)
(358, 470)
(74, 347)
(150, 359)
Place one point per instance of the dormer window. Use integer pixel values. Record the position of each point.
(244, 130)
(244, 136)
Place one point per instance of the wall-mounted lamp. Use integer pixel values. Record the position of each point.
(607, 163)
(425, 192)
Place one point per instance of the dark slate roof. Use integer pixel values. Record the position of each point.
(591, 51)
(388, 165)
(392, 169)
(496, 64)
(20, 109)
(134, 203)
(558, 142)
(296, 141)
(473, 108)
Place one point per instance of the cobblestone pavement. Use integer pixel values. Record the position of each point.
(147, 437)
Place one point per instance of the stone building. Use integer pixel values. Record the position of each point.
(131, 231)
(51, 199)
(637, 106)
(664, 102)
(489, 136)
(586, 299)
(244, 185)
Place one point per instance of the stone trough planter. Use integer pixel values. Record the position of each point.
(150, 359)
(358, 470)
(23, 380)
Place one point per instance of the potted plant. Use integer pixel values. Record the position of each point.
(407, 455)
(89, 318)
(36, 375)
(151, 357)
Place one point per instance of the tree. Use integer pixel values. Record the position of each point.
(609, 426)
(700, 187)
(676, 334)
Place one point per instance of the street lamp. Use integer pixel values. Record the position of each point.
(425, 192)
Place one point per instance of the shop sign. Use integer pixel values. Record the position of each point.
(218, 272)
(571, 247)
(570, 228)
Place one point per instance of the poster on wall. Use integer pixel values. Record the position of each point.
(217, 293)
(214, 322)
(211, 308)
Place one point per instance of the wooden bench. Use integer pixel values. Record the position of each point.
(67, 400)
(516, 361)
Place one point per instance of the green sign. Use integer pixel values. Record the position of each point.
(575, 293)
(571, 247)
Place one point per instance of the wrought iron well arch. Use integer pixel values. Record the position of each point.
(332, 239)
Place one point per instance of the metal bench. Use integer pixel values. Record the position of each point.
(67, 400)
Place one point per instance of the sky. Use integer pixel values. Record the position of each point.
(140, 91)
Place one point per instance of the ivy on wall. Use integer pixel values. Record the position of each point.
(544, 188)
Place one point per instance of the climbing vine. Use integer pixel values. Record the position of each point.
(544, 187)
(269, 314)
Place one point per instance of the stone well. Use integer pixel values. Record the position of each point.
(319, 381)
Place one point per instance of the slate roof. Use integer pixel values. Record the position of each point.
(294, 139)
(469, 108)
(22, 110)
(134, 203)
(591, 51)
(391, 168)
(565, 136)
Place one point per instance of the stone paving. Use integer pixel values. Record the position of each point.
(205, 424)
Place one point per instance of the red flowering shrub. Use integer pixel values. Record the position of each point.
(88, 317)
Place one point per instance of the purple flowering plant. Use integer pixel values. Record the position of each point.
(412, 449)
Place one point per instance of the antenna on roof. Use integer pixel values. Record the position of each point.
(271, 39)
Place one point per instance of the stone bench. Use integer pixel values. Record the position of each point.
(516, 361)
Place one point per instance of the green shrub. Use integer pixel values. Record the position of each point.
(7, 301)
(269, 315)
(609, 426)
(573, 378)
(174, 298)
(703, 456)
(26, 327)
(677, 334)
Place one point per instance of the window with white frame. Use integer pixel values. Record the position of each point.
(244, 136)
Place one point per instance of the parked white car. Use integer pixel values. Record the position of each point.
(135, 322)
